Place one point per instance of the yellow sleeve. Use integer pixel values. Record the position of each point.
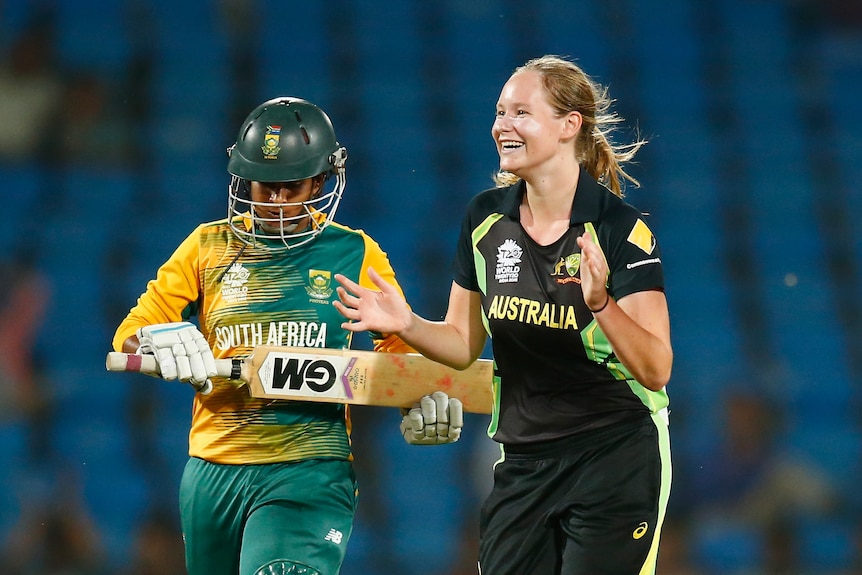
(168, 296)
(376, 258)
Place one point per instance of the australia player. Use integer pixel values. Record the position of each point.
(567, 279)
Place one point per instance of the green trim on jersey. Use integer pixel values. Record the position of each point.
(496, 383)
(479, 258)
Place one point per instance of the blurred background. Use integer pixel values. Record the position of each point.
(114, 120)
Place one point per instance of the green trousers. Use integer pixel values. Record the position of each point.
(238, 518)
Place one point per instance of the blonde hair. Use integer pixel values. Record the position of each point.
(569, 89)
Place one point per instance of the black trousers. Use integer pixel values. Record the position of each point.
(587, 505)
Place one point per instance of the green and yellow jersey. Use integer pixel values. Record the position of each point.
(246, 296)
(557, 375)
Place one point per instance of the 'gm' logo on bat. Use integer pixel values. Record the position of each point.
(307, 375)
(319, 375)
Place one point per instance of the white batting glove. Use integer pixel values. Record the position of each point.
(181, 350)
(435, 420)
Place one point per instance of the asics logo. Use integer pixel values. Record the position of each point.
(641, 530)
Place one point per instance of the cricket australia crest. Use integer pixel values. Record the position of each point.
(573, 264)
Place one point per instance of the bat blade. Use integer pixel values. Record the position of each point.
(365, 377)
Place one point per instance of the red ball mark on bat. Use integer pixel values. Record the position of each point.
(390, 392)
(445, 383)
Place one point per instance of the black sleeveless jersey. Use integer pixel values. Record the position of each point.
(556, 374)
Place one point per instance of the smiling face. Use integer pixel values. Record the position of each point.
(531, 135)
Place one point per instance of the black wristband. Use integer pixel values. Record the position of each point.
(607, 301)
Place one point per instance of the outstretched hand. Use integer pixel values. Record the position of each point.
(384, 310)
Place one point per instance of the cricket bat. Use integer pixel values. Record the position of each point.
(342, 376)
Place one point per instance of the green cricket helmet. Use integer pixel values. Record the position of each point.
(284, 140)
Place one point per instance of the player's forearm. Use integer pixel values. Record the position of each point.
(644, 350)
(459, 339)
(441, 342)
(646, 358)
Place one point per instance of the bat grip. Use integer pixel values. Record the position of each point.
(118, 361)
(147, 364)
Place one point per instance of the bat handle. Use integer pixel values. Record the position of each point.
(147, 364)
(118, 361)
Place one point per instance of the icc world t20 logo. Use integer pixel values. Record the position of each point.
(508, 262)
(233, 284)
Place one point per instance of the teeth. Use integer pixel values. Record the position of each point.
(511, 145)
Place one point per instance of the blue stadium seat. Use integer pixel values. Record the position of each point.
(827, 546)
(403, 473)
(13, 452)
(94, 36)
(722, 548)
(25, 185)
(834, 447)
(307, 72)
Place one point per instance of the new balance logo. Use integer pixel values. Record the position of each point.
(335, 536)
